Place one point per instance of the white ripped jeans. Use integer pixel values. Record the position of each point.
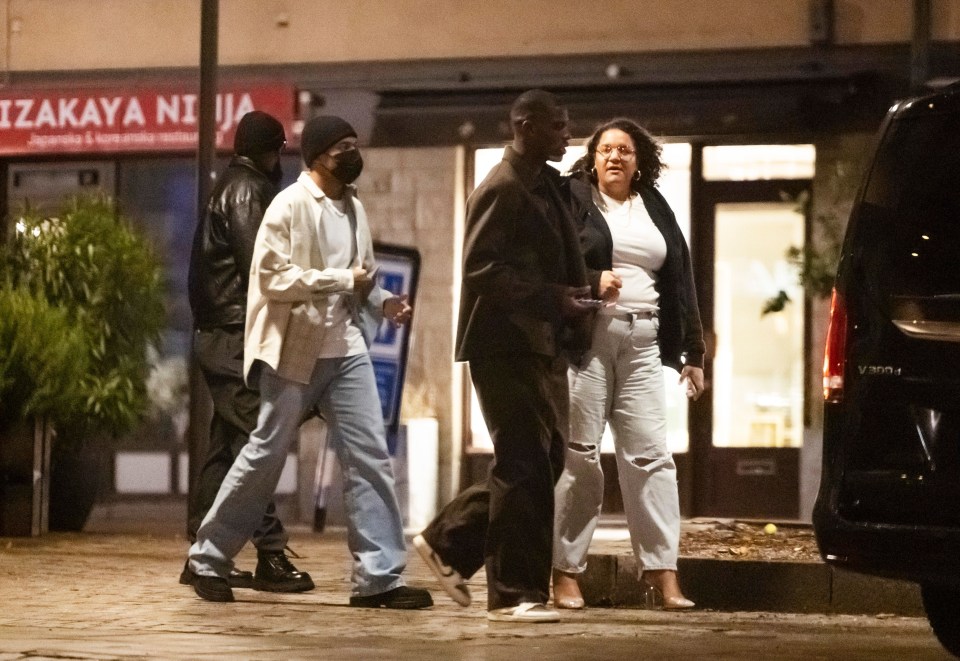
(620, 381)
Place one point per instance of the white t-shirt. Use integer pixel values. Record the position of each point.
(638, 251)
(334, 232)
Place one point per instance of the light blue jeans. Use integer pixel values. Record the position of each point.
(620, 381)
(345, 391)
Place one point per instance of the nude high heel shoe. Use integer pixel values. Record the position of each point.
(654, 598)
(566, 591)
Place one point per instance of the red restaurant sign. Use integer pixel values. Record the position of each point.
(128, 120)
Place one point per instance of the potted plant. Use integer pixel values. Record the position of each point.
(41, 365)
(90, 263)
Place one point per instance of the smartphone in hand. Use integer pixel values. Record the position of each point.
(590, 302)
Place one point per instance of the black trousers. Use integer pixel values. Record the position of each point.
(235, 409)
(506, 524)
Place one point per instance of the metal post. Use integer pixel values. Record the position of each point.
(200, 405)
(920, 46)
(206, 152)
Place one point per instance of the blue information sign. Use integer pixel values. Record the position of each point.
(399, 270)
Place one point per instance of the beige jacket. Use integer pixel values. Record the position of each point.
(288, 297)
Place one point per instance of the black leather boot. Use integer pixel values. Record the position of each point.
(275, 573)
(238, 578)
(211, 588)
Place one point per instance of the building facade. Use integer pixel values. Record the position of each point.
(105, 95)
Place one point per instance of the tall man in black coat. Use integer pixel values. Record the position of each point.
(520, 314)
(218, 277)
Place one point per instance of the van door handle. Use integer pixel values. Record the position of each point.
(943, 331)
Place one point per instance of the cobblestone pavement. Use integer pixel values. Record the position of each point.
(115, 595)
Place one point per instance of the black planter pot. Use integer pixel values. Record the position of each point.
(24, 478)
(77, 468)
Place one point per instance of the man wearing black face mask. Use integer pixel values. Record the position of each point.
(218, 277)
(313, 308)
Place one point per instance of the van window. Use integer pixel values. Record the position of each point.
(911, 211)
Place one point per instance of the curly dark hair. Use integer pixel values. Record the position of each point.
(649, 164)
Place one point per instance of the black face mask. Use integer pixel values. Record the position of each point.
(349, 165)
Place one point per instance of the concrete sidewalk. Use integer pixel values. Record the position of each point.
(611, 577)
(114, 596)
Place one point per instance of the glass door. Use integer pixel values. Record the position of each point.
(758, 322)
(746, 452)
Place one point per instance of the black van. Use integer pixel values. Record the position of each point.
(889, 499)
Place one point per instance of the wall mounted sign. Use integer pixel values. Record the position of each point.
(111, 120)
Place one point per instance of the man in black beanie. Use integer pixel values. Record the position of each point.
(219, 273)
(313, 308)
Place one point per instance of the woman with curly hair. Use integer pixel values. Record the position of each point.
(638, 264)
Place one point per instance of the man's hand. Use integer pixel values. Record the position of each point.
(571, 305)
(361, 280)
(397, 311)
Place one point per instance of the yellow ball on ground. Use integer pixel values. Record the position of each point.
(770, 529)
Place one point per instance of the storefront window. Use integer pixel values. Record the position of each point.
(756, 162)
(159, 196)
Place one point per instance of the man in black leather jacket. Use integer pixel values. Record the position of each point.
(219, 273)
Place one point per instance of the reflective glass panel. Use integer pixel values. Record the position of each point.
(753, 162)
(758, 367)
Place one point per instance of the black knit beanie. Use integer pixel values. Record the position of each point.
(258, 133)
(320, 134)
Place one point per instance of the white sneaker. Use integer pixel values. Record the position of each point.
(528, 611)
(450, 580)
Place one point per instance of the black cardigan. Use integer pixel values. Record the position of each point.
(681, 334)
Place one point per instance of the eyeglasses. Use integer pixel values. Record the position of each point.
(607, 151)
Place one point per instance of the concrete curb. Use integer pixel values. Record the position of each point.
(611, 576)
(748, 585)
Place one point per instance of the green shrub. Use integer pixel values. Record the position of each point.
(42, 362)
(89, 262)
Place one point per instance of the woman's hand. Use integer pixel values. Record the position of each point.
(397, 311)
(694, 378)
(609, 287)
